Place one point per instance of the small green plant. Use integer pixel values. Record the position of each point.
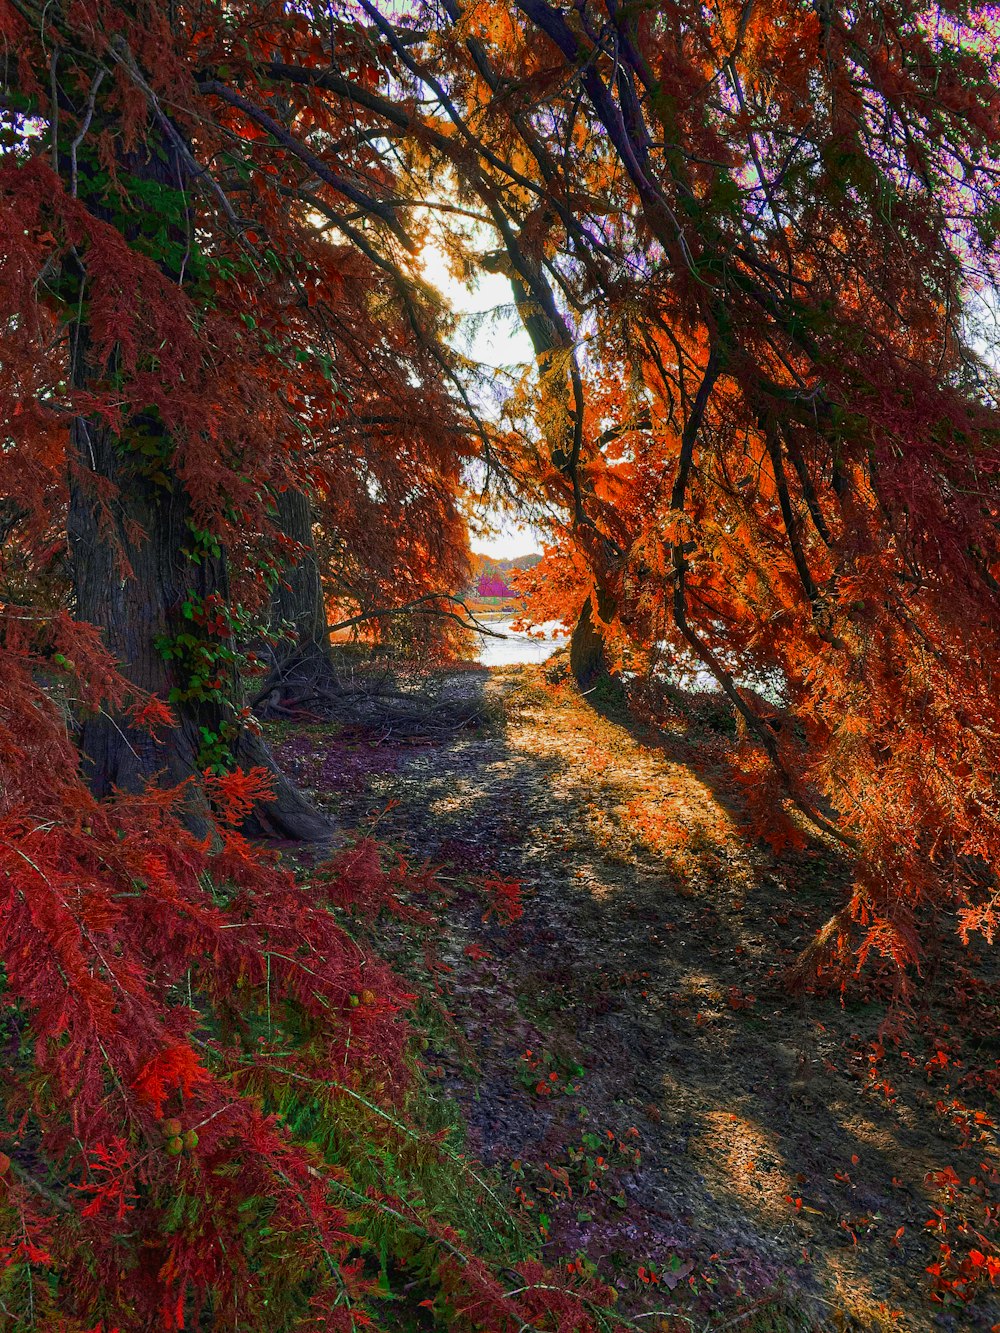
(589, 1172)
(203, 545)
(206, 662)
(546, 1075)
(204, 655)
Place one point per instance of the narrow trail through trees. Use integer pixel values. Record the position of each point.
(626, 1053)
(244, 408)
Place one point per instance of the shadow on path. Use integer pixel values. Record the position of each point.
(677, 1115)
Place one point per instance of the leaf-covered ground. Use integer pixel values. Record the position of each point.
(627, 1054)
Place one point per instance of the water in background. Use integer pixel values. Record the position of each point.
(514, 648)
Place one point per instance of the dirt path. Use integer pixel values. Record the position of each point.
(636, 1069)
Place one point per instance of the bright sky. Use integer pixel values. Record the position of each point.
(500, 342)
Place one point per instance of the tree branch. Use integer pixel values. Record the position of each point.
(384, 210)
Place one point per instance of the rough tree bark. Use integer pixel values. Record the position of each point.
(130, 579)
(127, 534)
(298, 598)
(587, 651)
(298, 606)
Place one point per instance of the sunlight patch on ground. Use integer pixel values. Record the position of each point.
(857, 1298)
(586, 877)
(456, 801)
(634, 798)
(752, 1160)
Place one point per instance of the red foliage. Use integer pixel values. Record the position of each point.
(503, 897)
(778, 459)
(176, 1068)
(200, 1063)
(149, 979)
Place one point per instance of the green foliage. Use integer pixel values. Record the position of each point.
(206, 659)
(204, 545)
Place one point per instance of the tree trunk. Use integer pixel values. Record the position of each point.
(130, 579)
(297, 604)
(587, 654)
(127, 529)
(301, 665)
(298, 598)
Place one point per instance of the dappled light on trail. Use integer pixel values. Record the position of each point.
(656, 1101)
(635, 962)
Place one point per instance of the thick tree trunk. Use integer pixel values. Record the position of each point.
(127, 532)
(297, 604)
(301, 664)
(587, 652)
(130, 579)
